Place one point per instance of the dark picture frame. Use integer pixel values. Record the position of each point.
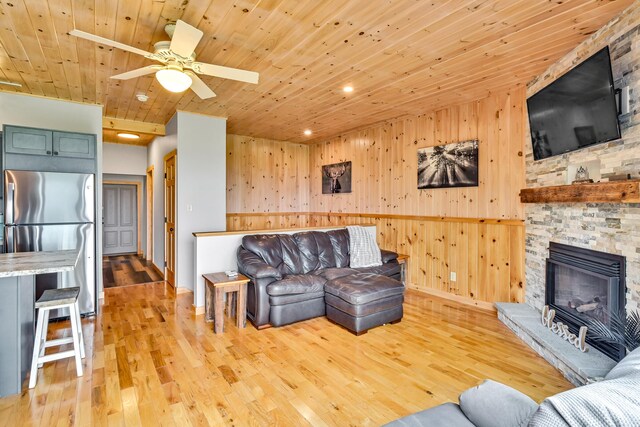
(448, 166)
(336, 178)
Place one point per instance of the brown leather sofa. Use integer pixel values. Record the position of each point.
(288, 273)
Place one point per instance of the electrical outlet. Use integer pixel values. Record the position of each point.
(452, 276)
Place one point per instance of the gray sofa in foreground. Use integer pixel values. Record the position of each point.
(615, 401)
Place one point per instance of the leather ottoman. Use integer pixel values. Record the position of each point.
(363, 301)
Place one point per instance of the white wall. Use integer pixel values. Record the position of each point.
(24, 110)
(155, 157)
(201, 196)
(124, 159)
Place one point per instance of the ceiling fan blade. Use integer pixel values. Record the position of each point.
(108, 42)
(200, 88)
(137, 72)
(226, 72)
(185, 39)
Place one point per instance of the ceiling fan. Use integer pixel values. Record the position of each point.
(179, 68)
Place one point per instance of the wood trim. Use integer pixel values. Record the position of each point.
(138, 208)
(150, 175)
(133, 126)
(157, 269)
(170, 154)
(480, 305)
(386, 216)
(627, 191)
(180, 290)
(197, 311)
(267, 230)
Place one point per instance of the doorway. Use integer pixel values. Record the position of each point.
(150, 213)
(121, 216)
(170, 216)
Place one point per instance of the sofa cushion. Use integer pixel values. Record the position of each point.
(277, 250)
(292, 261)
(340, 242)
(297, 284)
(334, 273)
(308, 250)
(390, 269)
(293, 298)
(363, 288)
(360, 310)
(614, 402)
(446, 415)
(480, 404)
(630, 365)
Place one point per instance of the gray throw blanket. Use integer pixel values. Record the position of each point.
(364, 250)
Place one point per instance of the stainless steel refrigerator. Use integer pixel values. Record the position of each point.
(47, 211)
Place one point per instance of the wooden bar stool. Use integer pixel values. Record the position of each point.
(53, 299)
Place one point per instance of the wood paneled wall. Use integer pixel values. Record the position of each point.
(477, 233)
(385, 162)
(486, 255)
(266, 176)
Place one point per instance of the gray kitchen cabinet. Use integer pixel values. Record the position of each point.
(43, 142)
(19, 140)
(80, 145)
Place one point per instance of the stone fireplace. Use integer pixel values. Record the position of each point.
(612, 228)
(582, 284)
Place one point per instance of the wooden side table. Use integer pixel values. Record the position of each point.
(403, 260)
(216, 286)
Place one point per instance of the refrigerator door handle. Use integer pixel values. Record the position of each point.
(11, 189)
(10, 239)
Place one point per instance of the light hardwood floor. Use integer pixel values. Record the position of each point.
(151, 362)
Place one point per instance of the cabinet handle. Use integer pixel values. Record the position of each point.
(55, 153)
(48, 152)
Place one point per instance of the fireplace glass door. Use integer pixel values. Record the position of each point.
(583, 294)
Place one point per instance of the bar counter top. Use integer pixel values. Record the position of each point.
(30, 263)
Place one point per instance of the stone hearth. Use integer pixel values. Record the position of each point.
(579, 368)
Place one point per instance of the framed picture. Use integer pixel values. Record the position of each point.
(450, 165)
(336, 178)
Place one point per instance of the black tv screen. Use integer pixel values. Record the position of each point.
(575, 111)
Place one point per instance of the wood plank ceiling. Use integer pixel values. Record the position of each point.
(401, 56)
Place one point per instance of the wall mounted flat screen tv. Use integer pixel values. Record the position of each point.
(575, 111)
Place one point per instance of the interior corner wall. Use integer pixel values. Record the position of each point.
(156, 151)
(45, 113)
(201, 187)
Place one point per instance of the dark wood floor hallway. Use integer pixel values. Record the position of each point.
(125, 270)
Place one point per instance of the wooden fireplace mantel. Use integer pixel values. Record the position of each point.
(627, 191)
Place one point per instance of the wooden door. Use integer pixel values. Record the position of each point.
(170, 216)
(120, 229)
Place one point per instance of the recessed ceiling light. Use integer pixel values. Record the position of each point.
(348, 89)
(128, 135)
(308, 132)
(142, 97)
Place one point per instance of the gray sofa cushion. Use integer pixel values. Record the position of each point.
(614, 402)
(446, 415)
(297, 284)
(363, 288)
(630, 365)
(334, 273)
(492, 404)
(390, 269)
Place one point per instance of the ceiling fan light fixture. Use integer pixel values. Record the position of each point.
(173, 80)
